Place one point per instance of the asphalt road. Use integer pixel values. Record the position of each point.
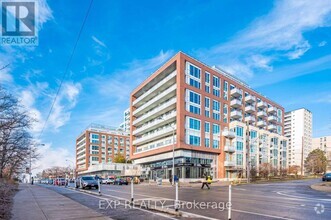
(286, 200)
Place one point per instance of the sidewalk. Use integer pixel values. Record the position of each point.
(36, 202)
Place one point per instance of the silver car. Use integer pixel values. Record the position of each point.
(86, 182)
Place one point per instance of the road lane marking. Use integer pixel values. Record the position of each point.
(303, 198)
(259, 214)
(123, 204)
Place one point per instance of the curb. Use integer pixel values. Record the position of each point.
(168, 211)
(318, 187)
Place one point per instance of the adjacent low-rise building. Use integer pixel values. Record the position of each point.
(215, 122)
(324, 144)
(99, 144)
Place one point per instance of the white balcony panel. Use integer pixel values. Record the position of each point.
(272, 127)
(229, 134)
(167, 106)
(250, 119)
(261, 105)
(154, 88)
(261, 123)
(229, 163)
(235, 92)
(235, 103)
(261, 114)
(272, 109)
(250, 109)
(157, 99)
(156, 123)
(229, 148)
(272, 118)
(156, 135)
(250, 99)
(236, 114)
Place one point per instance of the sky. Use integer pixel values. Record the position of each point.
(280, 48)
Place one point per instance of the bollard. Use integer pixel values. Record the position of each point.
(131, 190)
(230, 204)
(176, 201)
(75, 183)
(99, 188)
(80, 183)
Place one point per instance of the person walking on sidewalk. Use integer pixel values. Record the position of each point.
(207, 182)
(31, 180)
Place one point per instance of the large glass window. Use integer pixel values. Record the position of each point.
(216, 110)
(194, 71)
(216, 129)
(216, 86)
(240, 131)
(240, 145)
(207, 77)
(194, 124)
(193, 76)
(225, 90)
(216, 144)
(207, 142)
(207, 127)
(194, 140)
(225, 113)
(239, 159)
(193, 103)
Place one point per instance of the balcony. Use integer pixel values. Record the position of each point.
(166, 94)
(229, 134)
(156, 135)
(261, 124)
(261, 114)
(250, 119)
(250, 99)
(229, 148)
(163, 108)
(272, 109)
(229, 163)
(236, 114)
(250, 109)
(235, 103)
(156, 123)
(261, 105)
(154, 88)
(272, 127)
(235, 92)
(272, 118)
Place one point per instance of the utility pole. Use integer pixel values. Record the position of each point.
(248, 170)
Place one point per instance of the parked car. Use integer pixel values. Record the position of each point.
(326, 177)
(109, 180)
(120, 181)
(50, 181)
(86, 182)
(60, 181)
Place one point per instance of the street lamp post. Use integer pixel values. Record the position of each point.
(173, 152)
(73, 168)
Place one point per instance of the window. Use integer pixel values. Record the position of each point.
(95, 147)
(207, 77)
(207, 142)
(95, 158)
(193, 103)
(207, 107)
(216, 144)
(216, 86)
(193, 75)
(240, 145)
(207, 88)
(239, 159)
(207, 127)
(225, 90)
(216, 110)
(194, 124)
(194, 97)
(216, 129)
(240, 131)
(225, 113)
(194, 140)
(95, 136)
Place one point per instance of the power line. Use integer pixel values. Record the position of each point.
(67, 66)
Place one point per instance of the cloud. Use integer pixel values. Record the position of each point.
(65, 102)
(51, 157)
(276, 35)
(99, 41)
(322, 43)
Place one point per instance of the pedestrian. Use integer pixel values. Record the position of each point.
(31, 180)
(206, 182)
(170, 180)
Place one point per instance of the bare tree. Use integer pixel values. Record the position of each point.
(294, 169)
(265, 169)
(15, 139)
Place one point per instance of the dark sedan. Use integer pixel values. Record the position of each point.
(326, 177)
(120, 181)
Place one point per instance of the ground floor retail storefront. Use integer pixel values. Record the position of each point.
(188, 165)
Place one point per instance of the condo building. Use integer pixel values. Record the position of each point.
(324, 144)
(125, 125)
(216, 123)
(99, 144)
(298, 129)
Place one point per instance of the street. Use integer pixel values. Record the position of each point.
(286, 200)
